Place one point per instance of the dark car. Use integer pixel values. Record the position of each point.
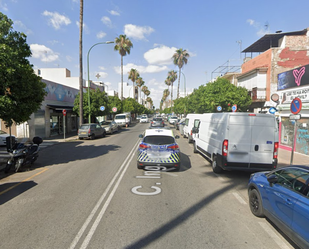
(110, 126)
(157, 122)
(282, 195)
(91, 131)
(158, 148)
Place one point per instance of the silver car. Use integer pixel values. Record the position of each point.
(110, 126)
(91, 131)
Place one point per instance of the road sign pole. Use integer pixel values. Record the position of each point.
(293, 143)
(64, 127)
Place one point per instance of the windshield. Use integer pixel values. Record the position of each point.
(120, 117)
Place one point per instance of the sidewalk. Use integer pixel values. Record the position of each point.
(284, 158)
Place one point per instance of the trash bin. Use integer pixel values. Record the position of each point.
(10, 142)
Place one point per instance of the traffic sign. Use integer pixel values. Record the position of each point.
(64, 112)
(296, 105)
(102, 108)
(234, 108)
(295, 117)
(272, 110)
(219, 108)
(114, 109)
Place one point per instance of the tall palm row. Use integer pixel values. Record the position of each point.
(123, 46)
(171, 77)
(168, 83)
(133, 75)
(179, 59)
(81, 80)
(140, 82)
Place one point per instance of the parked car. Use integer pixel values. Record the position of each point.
(173, 120)
(158, 147)
(91, 131)
(282, 195)
(157, 122)
(123, 119)
(144, 119)
(110, 126)
(3, 136)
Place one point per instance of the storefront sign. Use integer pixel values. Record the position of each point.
(288, 96)
(297, 77)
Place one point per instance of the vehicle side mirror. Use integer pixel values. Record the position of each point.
(176, 136)
(140, 135)
(272, 179)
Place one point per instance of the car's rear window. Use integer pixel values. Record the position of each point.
(159, 140)
(84, 127)
(157, 119)
(120, 117)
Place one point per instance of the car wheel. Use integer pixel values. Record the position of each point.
(255, 203)
(104, 134)
(215, 168)
(194, 148)
(92, 136)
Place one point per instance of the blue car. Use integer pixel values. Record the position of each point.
(282, 195)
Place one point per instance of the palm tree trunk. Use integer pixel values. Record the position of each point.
(121, 78)
(81, 80)
(178, 83)
(172, 97)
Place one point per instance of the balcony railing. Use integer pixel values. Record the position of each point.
(258, 94)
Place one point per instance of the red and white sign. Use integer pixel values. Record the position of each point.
(64, 112)
(114, 109)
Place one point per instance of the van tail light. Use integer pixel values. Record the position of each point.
(191, 132)
(173, 147)
(144, 146)
(89, 131)
(225, 145)
(276, 146)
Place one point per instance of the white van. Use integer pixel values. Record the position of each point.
(189, 124)
(238, 141)
(123, 119)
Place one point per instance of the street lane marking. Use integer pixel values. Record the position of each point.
(239, 198)
(14, 186)
(86, 241)
(274, 236)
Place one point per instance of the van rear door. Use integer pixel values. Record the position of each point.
(251, 139)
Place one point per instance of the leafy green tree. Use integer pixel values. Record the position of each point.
(97, 99)
(123, 46)
(219, 93)
(21, 91)
(114, 101)
(180, 105)
(179, 59)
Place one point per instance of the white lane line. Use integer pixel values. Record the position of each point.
(98, 204)
(274, 236)
(239, 198)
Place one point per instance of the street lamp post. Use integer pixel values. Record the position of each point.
(185, 89)
(108, 42)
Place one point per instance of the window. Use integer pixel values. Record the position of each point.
(159, 140)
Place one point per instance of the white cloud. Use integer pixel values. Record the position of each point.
(114, 13)
(137, 32)
(160, 55)
(56, 20)
(43, 53)
(101, 34)
(3, 6)
(107, 21)
(102, 68)
(140, 69)
(85, 27)
(23, 27)
(261, 29)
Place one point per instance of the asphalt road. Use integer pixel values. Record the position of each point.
(90, 194)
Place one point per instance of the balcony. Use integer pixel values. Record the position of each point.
(258, 94)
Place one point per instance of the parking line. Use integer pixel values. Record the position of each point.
(274, 236)
(239, 198)
(14, 186)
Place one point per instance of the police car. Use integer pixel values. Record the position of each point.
(158, 148)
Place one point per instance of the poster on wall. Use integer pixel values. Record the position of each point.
(297, 77)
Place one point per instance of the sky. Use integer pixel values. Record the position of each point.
(213, 32)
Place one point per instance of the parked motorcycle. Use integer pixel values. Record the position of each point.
(23, 154)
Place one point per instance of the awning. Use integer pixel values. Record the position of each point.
(61, 107)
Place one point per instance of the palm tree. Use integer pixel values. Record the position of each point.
(81, 80)
(133, 75)
(140, 83)
(180, 58)
(171, 77)
(144, 88)
(123, 46)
